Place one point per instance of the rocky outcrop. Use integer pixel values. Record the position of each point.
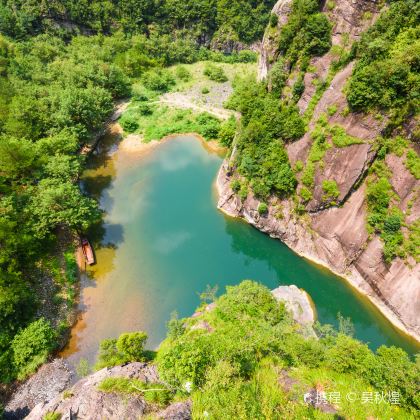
(50, 380)
(84, 401)
(299, 304)
(269, 46)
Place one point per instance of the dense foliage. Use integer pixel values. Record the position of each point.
(266, 124)
(307, 32)
(220, 20)
(387, 72)
(129, 347)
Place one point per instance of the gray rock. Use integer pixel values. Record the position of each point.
(176, 411)
(297, 302)
(47, 383)
(85, 401)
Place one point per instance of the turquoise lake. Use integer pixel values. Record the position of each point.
(163, 240)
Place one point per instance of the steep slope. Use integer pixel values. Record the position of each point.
(332, 230)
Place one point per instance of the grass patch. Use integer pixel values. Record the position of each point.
(342, 384)
(165, 120)
(331, 191)
(153, 393)
(412, 163)
(340, 138)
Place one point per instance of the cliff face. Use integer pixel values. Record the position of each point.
(336, 236)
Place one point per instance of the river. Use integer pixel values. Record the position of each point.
(163, 240)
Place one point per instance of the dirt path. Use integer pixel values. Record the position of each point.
(181, 100)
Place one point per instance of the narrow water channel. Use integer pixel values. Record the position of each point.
(163, 240)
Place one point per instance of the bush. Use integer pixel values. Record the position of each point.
(392, 224)
(235, 185)
(330, 188)
(274, 20)
(393, 370)
(262, 208)
(159, 80)
(277, 77)
(298, 87)
(215, 73)
(208, 126)
(205, 90)
(129, 347)
(144, 109)
(31, 347)
(305, 194)
(129, 123)
(349, 355)
(227, 132)
(183, 74)
(413, 163)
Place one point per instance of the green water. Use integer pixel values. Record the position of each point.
(164, 240)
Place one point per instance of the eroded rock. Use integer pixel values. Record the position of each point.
(47, 383)
(84, 401)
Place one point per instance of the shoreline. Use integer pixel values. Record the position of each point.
(384, 310)
(133, 143)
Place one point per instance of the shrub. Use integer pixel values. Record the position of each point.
(330, 188)
(235, 185)
(298, 166)
(215, 73)
(413, 163)
(305, 194)
(129, 123)
(298, 87)
(144, 109)
(227, 132)
(205, 90)
(331, 110)
(274, 19)
(208, 125)
(262, 208)
(278, 76)
(392, 224)
(393, 370)
(131, 345)
(183, 74)
(349, 355)
(31, 347)
(159, 80)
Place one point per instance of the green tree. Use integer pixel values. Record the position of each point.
(131, 345)
(56, 202)
(31, 346)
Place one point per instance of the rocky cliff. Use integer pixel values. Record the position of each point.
(334, 234)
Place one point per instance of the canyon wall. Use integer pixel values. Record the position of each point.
(336, 235)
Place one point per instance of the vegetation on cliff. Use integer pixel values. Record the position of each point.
(384, 83)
